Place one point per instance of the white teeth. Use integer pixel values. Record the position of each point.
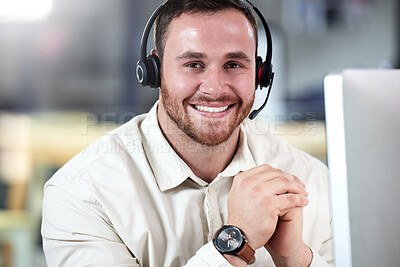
(211, 109)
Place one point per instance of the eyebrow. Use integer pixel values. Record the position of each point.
(191, 55)
(198, 55)
(238, 55)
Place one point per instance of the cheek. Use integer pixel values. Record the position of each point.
(179, 85)
(245, 88)
(183, 85)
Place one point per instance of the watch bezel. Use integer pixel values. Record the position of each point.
(238, 248)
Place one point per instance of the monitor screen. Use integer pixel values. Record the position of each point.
(363, 143)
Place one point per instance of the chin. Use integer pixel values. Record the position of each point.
(211, 135)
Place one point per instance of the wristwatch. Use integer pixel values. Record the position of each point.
(230, 239)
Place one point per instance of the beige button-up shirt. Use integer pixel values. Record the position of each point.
(130, 200)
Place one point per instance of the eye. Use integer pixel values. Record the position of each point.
(233, 65)
(194, 65)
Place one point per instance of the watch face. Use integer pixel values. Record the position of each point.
(228, 239)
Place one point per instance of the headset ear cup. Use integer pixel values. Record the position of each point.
(141, 72)
(266, 74)
(156, 66)
(258, 67)
(148, 71)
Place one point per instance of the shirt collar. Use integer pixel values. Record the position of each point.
(169, 169)
(243, 159)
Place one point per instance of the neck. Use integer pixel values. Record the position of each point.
(205, 161)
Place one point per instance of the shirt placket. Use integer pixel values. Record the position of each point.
(212, 210)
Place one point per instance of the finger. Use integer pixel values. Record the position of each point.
(290, 201)
(270, 173)
(291, 177)
(256, 171)
(255, 176)
(299, 181)
(290, 214)
(283, 185)
(264, 173)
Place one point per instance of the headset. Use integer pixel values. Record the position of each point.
(148, 67)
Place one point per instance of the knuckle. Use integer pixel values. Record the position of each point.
(304, 201)
(290, 177)
(285, 181)
(256, 190)
(278, 173)
(296, 179)
(239, 176)
(266, 202)
(292, 199)
(247, 181)
(239, 179)
(266, 167)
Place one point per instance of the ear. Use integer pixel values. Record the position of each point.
(154, 52)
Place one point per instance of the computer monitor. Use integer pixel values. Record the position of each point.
(362, 109)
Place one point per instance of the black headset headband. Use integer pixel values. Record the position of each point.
(148, 67)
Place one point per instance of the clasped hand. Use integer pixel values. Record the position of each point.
(267, 204)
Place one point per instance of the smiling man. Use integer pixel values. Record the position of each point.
(207, 86)
(192, 182)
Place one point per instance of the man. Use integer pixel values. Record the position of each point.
(170, 179)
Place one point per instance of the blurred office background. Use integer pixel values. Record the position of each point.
(67, 77)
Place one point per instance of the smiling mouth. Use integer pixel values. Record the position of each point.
(211, 109)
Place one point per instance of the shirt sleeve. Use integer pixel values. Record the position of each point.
(322, 259)
(208, 255)
(75, 230)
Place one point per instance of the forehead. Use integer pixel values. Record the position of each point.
(228, 27)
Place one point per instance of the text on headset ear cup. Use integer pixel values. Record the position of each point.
(148, 71)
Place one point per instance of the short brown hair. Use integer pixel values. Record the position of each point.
(174, 8)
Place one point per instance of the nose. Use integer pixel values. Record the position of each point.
(214, 82)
